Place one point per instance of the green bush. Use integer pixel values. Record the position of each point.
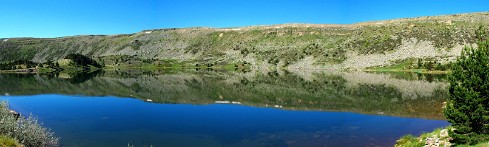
(26, 130)
(136, 44)
(468, 105)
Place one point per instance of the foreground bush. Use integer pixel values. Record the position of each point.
(26, 130)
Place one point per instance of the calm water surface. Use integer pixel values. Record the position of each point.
(271, 109)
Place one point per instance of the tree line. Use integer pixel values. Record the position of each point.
(82, 60)
(78, 60)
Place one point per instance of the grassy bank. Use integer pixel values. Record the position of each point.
(438, 137)
(415, 66)
(422, 71)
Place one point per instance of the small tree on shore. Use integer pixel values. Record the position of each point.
(468, 106)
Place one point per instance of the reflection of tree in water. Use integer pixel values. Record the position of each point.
(75, 77)
(51, 75)
(376, 92)
(80, 77)
(432, 77)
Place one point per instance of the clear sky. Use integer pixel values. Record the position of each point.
(54, 18)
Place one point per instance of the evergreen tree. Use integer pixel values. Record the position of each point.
(468, 106)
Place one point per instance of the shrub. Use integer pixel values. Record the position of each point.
(136, 44)
(468, 105)
(26, 130)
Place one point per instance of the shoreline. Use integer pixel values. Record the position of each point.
(30, 70)
(154, 67)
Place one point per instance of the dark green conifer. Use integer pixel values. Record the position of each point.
(468, 106)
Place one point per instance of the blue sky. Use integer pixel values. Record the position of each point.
(54, 18)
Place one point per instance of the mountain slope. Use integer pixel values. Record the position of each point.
(309, 46)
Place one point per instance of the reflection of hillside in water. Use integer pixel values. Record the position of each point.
(331, 91)
(410, 89)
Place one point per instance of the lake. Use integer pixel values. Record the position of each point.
(222, 108)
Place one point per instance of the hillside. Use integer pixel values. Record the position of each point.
(311, 46)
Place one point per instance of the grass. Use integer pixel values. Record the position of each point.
(408, 141)
(413, 141)
(422, 71)
(484, 144)
(44, 70)
(407, 65)
(229, 67)
(6, 141)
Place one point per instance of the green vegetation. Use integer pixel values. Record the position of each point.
(6, 141)
(133, 62)
(26, 130)
(482, 144)
(468, 106)
(18, 64)
(401, 66)
(71, 63)
(409, 141)
(81, 60)
(438, 137)
(414, 65)
(136, 44)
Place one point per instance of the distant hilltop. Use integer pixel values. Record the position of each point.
(285, 46)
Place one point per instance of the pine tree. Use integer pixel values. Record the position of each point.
(468, 105)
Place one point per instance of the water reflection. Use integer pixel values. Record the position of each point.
(406, 95)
